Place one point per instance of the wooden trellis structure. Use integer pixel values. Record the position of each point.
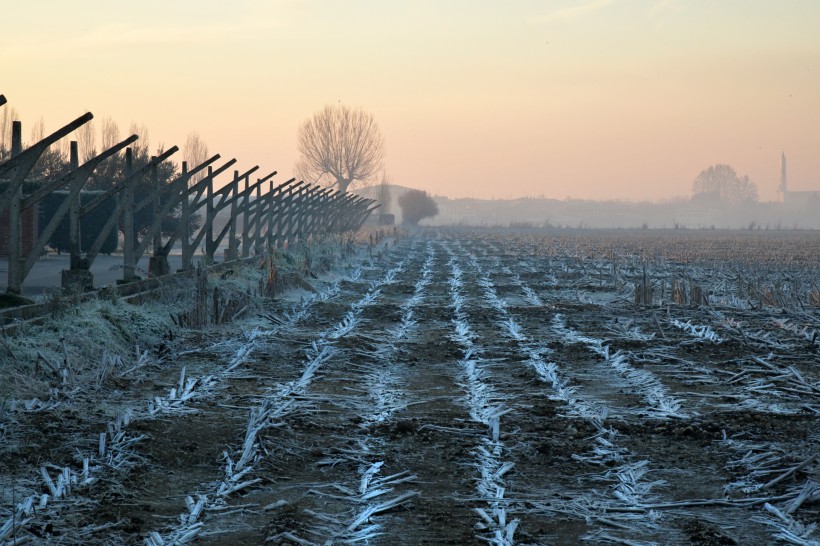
(258, 220)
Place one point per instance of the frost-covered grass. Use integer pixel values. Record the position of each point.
(77, 339)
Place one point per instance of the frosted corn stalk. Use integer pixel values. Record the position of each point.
(702, 332)
(479, 396)
(280, 402)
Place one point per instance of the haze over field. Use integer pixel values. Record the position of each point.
(590, 99)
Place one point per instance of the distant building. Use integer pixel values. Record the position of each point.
(804, 199)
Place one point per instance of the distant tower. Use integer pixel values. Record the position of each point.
(783, 177)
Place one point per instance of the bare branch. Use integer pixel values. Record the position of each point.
(340, 146)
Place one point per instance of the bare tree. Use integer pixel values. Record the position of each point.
(87, 141)
(339, 146)
(52, 162)
(38, 130)
(109, 133)
(142, 145)
(723, 182)
(196, 152)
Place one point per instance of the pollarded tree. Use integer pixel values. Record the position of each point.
(722, 181)
(417, 205)
(339, 146)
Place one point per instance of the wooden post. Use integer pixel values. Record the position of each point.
(269, 217)
(231, 252)
(246, 224)
(257, 238)
(128, 262)
(158, 261)
(77, 275)
(209, 219)
(187, 256)
(15, 277)
(74, 244)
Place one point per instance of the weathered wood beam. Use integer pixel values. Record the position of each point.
(302, 218)
(269, 203)
(274, 216)
(248, 219)
(327, 210)
(314, 222)
(19, 166)
(130, 178)
(284, 233)
(197, 202)
(174, 192)
(83, 171)
(212, 243)
(199, 188)
(76, 178)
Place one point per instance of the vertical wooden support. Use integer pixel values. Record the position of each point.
(257, 238)
(298, 215)
(15, 277)
(301, 220)
(287, 216)
(282, 205)
(231, 252)
(74, 243)
(157, 203)
(158, 261)
(77, 276)
(128, 259)
(269, 217)
(185, 232)
(210, 249)
(246, 220)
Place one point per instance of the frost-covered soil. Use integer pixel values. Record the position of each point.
(462, 388)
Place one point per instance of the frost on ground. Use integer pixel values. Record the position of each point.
(450, 388)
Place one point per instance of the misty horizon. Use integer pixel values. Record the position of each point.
(579, 99)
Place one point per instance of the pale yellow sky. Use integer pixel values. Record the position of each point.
(593, 99)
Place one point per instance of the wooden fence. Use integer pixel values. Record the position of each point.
(262, 214)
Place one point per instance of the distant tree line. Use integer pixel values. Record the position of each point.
(417, 205)
(723, 183)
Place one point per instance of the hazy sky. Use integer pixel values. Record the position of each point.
(624, 99)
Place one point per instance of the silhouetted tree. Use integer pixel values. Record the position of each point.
(339, 146)
(417, 205)
(723, 182)
(52, 164)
